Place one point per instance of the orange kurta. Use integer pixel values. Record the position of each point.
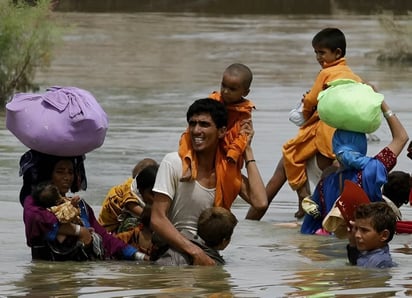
(313, 136)
(229, 158)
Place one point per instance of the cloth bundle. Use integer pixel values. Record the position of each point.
(338, 218)
(63, 121)
(349, 105)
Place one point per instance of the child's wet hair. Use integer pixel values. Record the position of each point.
(381, 215)
(215, 225)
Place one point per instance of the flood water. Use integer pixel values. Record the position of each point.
(146, 69)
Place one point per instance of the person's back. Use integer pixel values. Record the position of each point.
(372, 230)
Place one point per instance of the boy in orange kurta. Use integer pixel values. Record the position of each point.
(314, 136)
(234, 87)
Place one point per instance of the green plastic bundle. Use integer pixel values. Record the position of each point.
(350, 105)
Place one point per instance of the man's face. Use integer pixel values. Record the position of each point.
(203, 133)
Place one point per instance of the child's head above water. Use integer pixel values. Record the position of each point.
(215, 227)
(375, 225)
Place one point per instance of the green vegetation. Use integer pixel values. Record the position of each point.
(27, 36)
(398, 47)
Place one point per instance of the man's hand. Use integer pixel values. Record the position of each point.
(200, 258)
(246, 128)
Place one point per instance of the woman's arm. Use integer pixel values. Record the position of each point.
(399, 134)
(70, 229)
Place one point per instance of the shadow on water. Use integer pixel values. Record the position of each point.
(238, 7)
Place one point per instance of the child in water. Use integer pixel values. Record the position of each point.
(373, 228)
(214, 232)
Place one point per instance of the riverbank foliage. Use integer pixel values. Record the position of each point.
(27, 36)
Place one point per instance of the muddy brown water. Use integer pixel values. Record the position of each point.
(145, 69)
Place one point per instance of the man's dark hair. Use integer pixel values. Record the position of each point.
(330, 38)
(216, 109)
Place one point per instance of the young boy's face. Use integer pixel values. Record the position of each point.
(325, 55)
(232, 88)
(367, 238)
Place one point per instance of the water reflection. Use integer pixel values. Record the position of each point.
(111, 279)
(332, 283)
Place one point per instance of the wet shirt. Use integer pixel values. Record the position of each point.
(378, 258)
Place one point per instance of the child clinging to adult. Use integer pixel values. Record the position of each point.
(124, 203)
(372, 230)
(66, 210)
(215, 227)
(214, 233)
(235, 85)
